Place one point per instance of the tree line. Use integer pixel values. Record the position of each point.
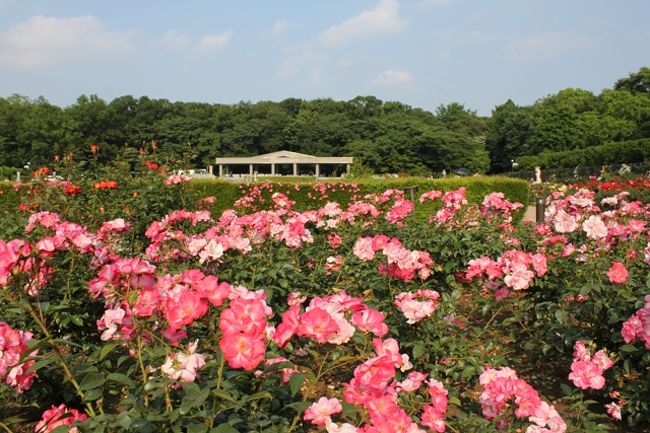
(386, 137)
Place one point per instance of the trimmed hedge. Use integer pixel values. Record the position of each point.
(9, 173)
(609, 153)
(227, 192)
(299, 190)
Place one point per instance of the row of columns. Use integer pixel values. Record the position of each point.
(251, 171)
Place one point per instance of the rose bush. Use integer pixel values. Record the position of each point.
(336, 318)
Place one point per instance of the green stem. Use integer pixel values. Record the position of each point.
(222, 362)
(64, 364)
(68, 295)
(318, 376)
(143, 370)
(496, 313)
(6, 427)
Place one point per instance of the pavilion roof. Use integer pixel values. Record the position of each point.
(285, 157)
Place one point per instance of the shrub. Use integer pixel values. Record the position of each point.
(609, 153)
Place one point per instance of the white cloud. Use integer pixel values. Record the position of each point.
(545, 46)
(45, 41)
(300, 62)
(308, 57)
(215, 42)
(280, 26)
(392, 77)
(384, 18)
(436, 3)
(175, 39)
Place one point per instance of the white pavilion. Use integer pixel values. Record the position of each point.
(283, 157)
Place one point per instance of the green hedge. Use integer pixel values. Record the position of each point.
(477, 187)
(609, 153)
(9, 173)
(226, 192)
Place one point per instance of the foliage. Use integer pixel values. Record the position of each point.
(133, 320)
(386, 137)
(609, 153)
(570, 120)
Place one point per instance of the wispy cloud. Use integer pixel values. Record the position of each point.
(215, 42)
(436, 3)
(384, 18)
(46, 41)
(392, 77)
(280, 26)
(308, 57)
(305, 59)
(545, 46)
(175, 39)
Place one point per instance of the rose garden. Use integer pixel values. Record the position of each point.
(135, 300)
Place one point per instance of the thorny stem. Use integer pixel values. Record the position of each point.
(142, 369)
(496, 313)
(69, 278)
(318, 376)
(222, 362)
(64, 364)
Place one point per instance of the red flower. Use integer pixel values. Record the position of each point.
(72, 189)
(42, 171)
(105, 184)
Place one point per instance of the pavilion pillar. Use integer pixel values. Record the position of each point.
(347, 169)
(295, 169)
(220, 170)
(272, 169)
(317, 170)
(250, 170)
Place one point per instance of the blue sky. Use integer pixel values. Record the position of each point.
(420, 52)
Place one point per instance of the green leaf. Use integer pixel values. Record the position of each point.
(349, 410)
(106, 349)
(566, 389)
(186, 406)
(225, 395)
(61, 429)
(468, 372)
(418, 350)
(224, 428)
(561, 316)
(120, 378)
(191, 389)
(93, 394)
(628, 348)
(197, 428)
(92, 380)
(259, 396)
(42, 363)
(585, 290)
(295, 382)
(299, 406)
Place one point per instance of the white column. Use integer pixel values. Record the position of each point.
(272, 169)
(295, 169)
(347, 168)
(317, 170)
(250, 170)
(220, 170)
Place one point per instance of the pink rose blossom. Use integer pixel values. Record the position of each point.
(617, 273)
